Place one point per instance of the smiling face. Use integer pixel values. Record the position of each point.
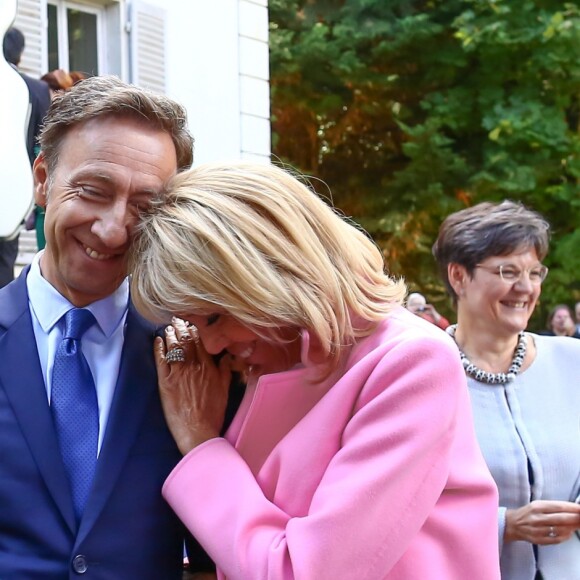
(222, 332)
(489, 304)
(107, 170)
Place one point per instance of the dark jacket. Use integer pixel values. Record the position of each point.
(127, 530)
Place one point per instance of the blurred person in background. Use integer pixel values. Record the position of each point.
(39, 100)
(417, 304)
(523, 387)
(353, 453)
(58, 80)
(560, 322)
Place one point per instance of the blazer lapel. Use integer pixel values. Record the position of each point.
(21, 377)
(136, 383)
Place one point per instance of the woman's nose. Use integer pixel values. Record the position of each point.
(524, 283)
(213, 340)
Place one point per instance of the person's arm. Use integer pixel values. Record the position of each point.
(373, 498)
(438, 320)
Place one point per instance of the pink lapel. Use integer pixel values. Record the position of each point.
(278, 403)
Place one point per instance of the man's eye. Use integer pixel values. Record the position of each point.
(212, 319)
(141, 204)
(85, 191)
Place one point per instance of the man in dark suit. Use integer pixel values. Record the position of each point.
(107, 150)
(38, 103)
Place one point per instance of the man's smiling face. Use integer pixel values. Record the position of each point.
(107, 170)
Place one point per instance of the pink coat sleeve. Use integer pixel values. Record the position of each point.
(374, 497)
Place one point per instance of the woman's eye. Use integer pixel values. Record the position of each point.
(212, 319)
(510, 274)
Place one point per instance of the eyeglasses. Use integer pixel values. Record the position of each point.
(510, 274)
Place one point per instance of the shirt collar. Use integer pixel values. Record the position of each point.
(50, 306)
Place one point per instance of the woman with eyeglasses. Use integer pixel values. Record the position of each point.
(524, 388)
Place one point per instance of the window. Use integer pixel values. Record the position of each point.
(75, 37)
(97, 37)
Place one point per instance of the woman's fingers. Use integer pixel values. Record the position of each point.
(543, 522)
(562, 525)
(193, 388)
(159, 355)
(181, 329)
(179, 343)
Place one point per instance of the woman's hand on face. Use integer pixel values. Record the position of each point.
(194, 393)
(542, 522)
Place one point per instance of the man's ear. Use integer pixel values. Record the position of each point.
(40, 172)
(457, 276)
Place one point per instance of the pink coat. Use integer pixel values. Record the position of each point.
(372, 475)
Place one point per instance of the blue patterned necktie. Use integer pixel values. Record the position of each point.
(75, 408)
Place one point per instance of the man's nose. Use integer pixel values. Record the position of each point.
(114, 225)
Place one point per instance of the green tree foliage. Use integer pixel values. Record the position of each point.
(410, 110)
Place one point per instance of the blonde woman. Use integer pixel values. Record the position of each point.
(353, 453)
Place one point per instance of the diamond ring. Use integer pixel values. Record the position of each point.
(175, 355)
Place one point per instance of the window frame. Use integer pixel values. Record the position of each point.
(62, 7)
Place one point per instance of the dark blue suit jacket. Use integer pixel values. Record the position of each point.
(127, 530)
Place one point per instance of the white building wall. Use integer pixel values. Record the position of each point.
(218, 67)
(254, 80)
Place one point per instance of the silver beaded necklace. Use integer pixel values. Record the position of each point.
(493, 378)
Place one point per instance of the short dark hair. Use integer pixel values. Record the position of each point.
(108, 96)
(13, 46)
(471, 235)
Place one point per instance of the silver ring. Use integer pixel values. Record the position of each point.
(175, 355)
(552, 533)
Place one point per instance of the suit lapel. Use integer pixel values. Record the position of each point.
(21, 377)
(136, 383)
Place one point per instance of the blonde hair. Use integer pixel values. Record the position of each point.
(255, 242)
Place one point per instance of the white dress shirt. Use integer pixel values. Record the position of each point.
(102, 344)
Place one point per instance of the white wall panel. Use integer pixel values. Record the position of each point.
(253, 21)
(148, 66)
(30, 20)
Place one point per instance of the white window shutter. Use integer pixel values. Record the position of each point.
(147, 45)
(30, 20)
